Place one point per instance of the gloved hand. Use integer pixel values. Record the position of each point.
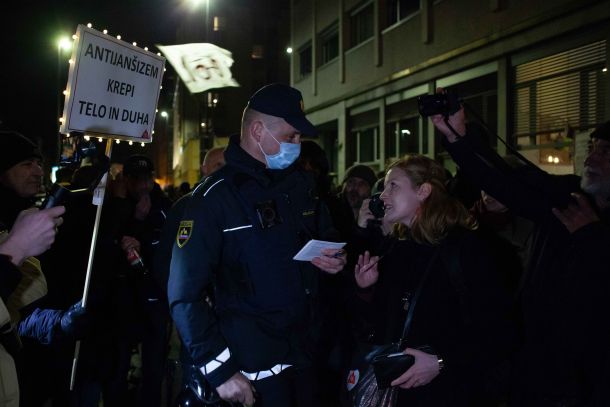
(75, 322)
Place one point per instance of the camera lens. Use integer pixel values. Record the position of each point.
(439, 103)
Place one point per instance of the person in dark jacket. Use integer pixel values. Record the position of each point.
(212, 162)
(36, 320)
(32, 234)
(461, 327)
(239, 233)
(344, 207)
(135, 215)
(563, 355)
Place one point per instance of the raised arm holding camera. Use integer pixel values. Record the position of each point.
(563, 357)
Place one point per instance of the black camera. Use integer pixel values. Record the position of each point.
(59, 195)
(56, 197)
(439, 103)
(267, 214)
(376, 206)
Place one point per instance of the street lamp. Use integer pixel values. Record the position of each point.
(204, 116)
(63, 44)
(196, 4)
(169, 146)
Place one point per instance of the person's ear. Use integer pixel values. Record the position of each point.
(256, 130)
(424, 191)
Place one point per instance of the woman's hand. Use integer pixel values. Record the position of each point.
(366, 270)
(423, 371)
(364, 215)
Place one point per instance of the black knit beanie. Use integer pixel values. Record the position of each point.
(15, 148)
(361, 171)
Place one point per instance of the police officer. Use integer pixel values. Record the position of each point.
(239, 234)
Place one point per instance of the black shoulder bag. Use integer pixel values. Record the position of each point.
(386, 363)
(389, 362)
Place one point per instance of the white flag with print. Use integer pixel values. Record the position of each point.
(201, 66)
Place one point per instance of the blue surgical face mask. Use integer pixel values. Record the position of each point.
(289, 152)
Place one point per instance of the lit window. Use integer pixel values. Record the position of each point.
(257, 51)
(217, 23)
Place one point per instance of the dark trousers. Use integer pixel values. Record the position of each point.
(155, 345)
(291, 388)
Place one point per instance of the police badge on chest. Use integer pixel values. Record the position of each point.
(268, 215)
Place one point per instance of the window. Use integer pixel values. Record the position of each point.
(361, 24)
(398, 10)
(556, 96)
(402, 137)
(212, 99)
(363, 147)
(217, 23)
(363, 141)
(559, 89)
(305, 60)
(368, 145)
(329, 40)
(257, 51)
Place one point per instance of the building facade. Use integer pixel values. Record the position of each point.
(534, 71)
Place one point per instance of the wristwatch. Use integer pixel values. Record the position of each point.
(441, 363)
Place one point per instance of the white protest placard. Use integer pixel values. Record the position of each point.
(113, 88)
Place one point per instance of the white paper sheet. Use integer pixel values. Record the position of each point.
(314, 248)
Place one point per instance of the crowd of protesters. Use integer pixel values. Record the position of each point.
(510, 290)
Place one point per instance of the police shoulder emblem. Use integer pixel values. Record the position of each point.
(184, 232)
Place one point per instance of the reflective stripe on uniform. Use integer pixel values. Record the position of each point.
(275, 370)
(216, 362)
(237, 228)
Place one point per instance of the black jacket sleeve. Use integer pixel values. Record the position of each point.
(527, 191)
(41, 325)
(194, 260)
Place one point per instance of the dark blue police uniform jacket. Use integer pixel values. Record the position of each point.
(238, 235)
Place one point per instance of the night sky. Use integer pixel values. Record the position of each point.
(30, 31)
